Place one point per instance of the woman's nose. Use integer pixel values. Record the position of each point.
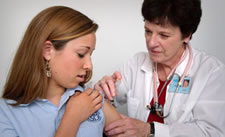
(88, 64)
(152, 41)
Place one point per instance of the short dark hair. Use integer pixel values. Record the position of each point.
(185, 14)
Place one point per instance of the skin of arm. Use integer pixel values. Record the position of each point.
(73, 116)
(111, 114)
(68, 127)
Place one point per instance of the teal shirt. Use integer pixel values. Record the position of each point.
(41, 118)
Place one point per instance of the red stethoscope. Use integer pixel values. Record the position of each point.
(157, 108)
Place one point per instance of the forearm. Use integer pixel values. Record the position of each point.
(68, 127)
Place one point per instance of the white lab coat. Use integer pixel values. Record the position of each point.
(201, 113)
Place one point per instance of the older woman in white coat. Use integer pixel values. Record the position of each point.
(173, 90)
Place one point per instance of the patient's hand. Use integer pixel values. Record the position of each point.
(82, 105)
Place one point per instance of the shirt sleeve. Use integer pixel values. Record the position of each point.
(6, 128)
(208, 113)
(209, 110)
(129, 73)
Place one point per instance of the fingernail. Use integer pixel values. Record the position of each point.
(113, 94)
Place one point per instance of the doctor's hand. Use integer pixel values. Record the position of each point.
(128, 127)
(108, 85)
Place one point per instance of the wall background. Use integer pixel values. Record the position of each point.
(120, 35)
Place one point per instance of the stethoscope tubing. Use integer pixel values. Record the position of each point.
(186, 70)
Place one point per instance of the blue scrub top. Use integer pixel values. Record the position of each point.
(41, 118)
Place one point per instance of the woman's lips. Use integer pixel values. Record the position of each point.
(155, 52)
(81, 77)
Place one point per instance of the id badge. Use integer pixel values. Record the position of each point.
(174, 83)
(184, 88)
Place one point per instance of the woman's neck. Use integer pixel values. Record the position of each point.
(54, 93)
(163, 72)
(164, 69)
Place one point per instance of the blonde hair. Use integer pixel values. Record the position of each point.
(59, 24)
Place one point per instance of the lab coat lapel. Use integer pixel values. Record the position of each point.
(172, 99)
(148, 87)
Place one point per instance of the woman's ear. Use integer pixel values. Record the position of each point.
(47, 50)
(187, 39)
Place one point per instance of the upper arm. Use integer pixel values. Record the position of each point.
(110, 112)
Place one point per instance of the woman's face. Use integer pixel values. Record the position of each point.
(69, 65)
(164, 43)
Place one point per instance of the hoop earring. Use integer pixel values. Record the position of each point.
(47, 69)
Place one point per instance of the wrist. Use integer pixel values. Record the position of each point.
(151, 129)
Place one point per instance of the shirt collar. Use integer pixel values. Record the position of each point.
(147, 65)
(180, 69)
(69, 92)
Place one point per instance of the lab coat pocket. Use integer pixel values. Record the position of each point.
(132, 105)
(181, 113)
(179, 109)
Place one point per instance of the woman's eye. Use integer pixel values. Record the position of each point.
(147, 31)
(164, 36)
(81, 55)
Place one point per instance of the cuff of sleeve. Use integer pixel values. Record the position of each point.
(161, 130)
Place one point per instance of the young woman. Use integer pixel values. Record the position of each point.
(45, 95)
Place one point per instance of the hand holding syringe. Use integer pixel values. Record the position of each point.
(108, 85)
